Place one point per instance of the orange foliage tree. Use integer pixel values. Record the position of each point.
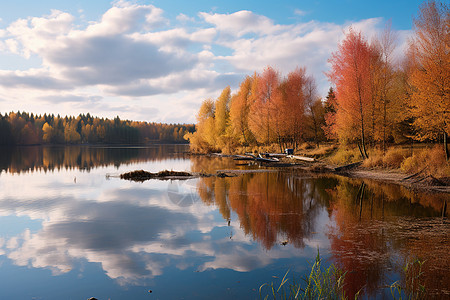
(262, 118)
(430, 74)
(239, 114)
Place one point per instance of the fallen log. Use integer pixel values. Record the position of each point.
(266, 160)
(348, 167)
(303, 158)
(241, 157)
(268, 155)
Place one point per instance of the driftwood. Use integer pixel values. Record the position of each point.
(266, 159)
(263, 157)
(348, 167)
(273, 154)
(414, 175)
(303, 158)
(241, 157)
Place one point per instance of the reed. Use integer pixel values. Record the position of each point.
(321, 283)
(412, 286)
(328, 283)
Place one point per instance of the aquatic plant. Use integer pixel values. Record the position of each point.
(321, 283)
(413, 286)
(328, 283)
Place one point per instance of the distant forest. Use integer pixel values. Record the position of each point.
(23, 128)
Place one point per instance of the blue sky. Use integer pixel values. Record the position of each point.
(158, 60)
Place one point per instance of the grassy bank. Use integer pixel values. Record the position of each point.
(427, 159)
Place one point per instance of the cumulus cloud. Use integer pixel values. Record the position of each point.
(106, 60)
(103, 53)
(133, 51)
(242, 22)
(33, 79)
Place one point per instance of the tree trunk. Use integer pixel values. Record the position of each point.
(363, 143)
(384, 126)
(447, 153)
(361, 151)
(280, 143)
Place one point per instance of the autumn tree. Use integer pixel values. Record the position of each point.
(71, 135)
(6, 135)
(430, 76)
(48, 132)
(204, 140)
(293, 107)
(314, 110)
(330, 108)
(316, 117)
(222, 116)
(239, 114)
(350, 67)
(388, 42)
(262, 107)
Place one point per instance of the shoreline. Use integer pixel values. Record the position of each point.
(418, 181)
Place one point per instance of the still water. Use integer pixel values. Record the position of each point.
(70, 229)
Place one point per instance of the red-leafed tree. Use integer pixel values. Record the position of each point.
(295, 104)
(350, 72)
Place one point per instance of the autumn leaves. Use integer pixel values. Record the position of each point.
(383, 103)
(376, 101)
(265, 110)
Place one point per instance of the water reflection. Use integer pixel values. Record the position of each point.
(379, 227)
(272, 207)
(258, 223)
(25, 159)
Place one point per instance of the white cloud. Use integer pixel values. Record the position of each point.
(300, 12)
(132, 52)
(242, 22)
(184, 18)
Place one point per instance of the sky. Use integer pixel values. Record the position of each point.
(157, 61)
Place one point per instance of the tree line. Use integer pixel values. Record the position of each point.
(23, 128)
(266, 109)
(373, 102)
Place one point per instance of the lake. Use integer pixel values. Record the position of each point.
(71, 229)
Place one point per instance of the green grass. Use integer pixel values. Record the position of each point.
(328, 283)
(413, 287)
(321, 283)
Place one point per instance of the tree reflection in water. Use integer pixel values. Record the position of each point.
(272, 207)
(376, 227)
(370, 234)
(49, 158)
(375, 235)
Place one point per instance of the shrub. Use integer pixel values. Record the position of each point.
(345, 156)
(429, 161)
(394, 157)
(375, 159)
